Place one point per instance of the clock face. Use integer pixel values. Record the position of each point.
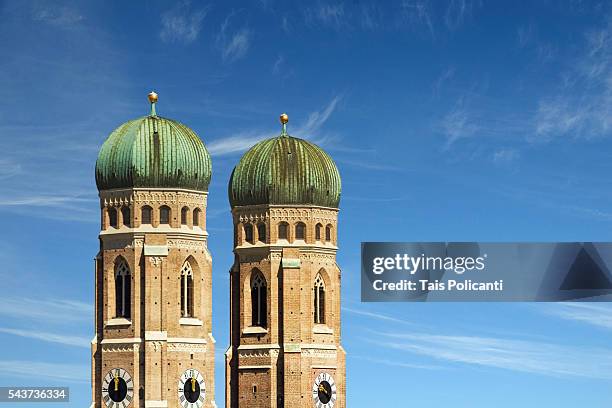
(191, 389)
(324, 391)
(117, 388)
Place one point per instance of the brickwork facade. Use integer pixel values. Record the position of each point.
(164, 332)
(276, 363)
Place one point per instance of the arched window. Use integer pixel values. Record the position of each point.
(164, 214)
(184, 212)
(146, 213)
(248, 233)
(186, 290)
(196, 217)
(123, 289)
(261, 232)
(112, 217)
(328, 232)
(318, 230)
(283, 230)
(319, 300)
(300, 231)
(259, 305)
(126, 214)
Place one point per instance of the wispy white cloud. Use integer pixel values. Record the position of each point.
(506, 155)
(53, 207)
(516, 355)
(458, 11)
(45, 201)
(419, 13)
(525, 34)
(44, 310)
(594, 314)
(318, 118)
(582, 105)
(370, 16)
(233, 45)
(181, 23)
(444, 77)
(374, 315)
(238, 45)
(311, 129)
(458, 123)
(48, 337)
(59, 16)
(71, 373)
(396, 363)
(236, 144)
(326, 14)
(9, 168)
(276, 68)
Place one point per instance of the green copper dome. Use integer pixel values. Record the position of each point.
(285, 170)
(152, 151)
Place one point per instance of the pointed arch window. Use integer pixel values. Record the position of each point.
(123, 290)
(126, 214)
(328, 232)
(184, 212)
(283, 230)
(164, 214)
(319, 300)
(146, 214)
(248, 233)
(300, 231)
(187, 290)
(261, 232)
(318, 230)
(259, 303)
(112, 217)
(196, 217)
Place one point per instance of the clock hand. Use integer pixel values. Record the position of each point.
(193, 384)
(116, 382)
(322, 389)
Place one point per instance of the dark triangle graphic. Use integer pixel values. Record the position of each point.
(585, 273)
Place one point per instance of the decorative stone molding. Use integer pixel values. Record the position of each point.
(118, 348)
(155, 260)
(320, 353)
(254, 353)
(187, 244)
(187, 347)
(156, 345)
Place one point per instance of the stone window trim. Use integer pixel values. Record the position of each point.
(185, 216)
(165, 215)
(123, 289)
(319, 300)
(197, 215)
(187, 291)
(259, 299)
(300, 231)
(146, 215)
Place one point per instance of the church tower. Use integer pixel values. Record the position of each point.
(153, 346)
(285, 347)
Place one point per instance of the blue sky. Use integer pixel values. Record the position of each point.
(459, 120)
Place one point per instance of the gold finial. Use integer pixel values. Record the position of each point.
(152, 97)
(284, 118)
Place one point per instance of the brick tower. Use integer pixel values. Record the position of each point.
(153, 346)
(285, 284)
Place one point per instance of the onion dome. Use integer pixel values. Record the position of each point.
(285, 170)
(153, 151)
